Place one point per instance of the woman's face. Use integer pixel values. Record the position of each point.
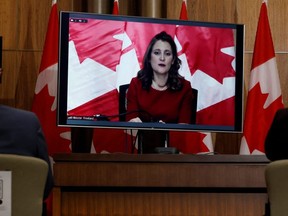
(161, 57)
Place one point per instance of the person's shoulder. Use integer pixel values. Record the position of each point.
(135, 81)
(283, 110)
(282, 113)
(17, 113)
(186, 83)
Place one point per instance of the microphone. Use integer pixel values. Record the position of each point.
(100, 117)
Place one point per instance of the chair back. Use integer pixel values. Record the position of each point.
(29, 176)
(123, 101)
(194, 106)
(276, 175)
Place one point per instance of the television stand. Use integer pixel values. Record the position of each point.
(154, 141)
(166, 150)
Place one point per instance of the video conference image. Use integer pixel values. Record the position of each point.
(105, 53)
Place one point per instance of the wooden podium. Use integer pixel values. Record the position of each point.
(155, 184)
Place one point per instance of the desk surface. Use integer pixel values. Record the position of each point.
(161, 158)
(155, 170)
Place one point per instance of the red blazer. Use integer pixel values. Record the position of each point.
(154, 105)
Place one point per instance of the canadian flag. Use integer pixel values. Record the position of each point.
(183, 12)
(115, 7)
(191, 142)
(45, 98)
(111, 140)
(44, 103)
(264, 94)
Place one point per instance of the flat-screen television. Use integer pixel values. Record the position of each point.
(98, 54)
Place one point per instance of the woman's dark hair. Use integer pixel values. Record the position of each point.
(146, 73)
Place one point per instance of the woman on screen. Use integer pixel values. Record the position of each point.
(159, 93)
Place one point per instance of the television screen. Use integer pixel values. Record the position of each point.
(99, 55)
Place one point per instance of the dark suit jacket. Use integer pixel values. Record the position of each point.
(276, 144)
(21, 133)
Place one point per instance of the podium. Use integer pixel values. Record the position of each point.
(155, 184)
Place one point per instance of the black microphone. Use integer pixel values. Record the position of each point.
(100, 117)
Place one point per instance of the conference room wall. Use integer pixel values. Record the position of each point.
(23, 26)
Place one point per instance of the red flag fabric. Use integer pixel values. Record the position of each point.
(115, 8)
(190, 142)
(44, 103)
(108, 140)
(264, 94)
(183, 12)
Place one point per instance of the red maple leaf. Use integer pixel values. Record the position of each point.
(188, 142)
(47, 117)
(94, 39)
(258, 119)
(202, 47)
(113, 140)
(109, 108)
(213, 115)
